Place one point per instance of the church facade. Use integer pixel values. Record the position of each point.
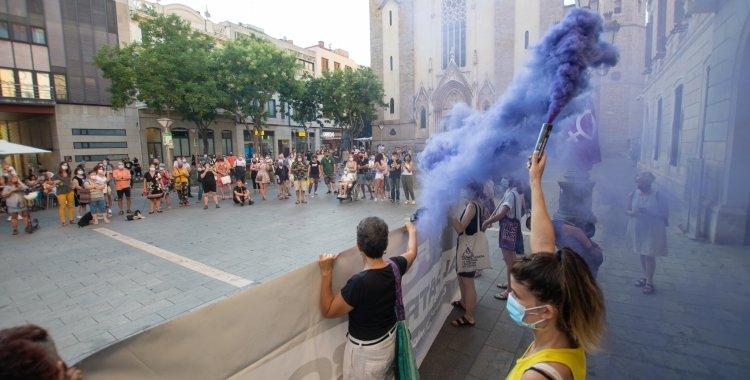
(431, 54)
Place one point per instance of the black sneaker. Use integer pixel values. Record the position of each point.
(242, 203)
(250, 202)
(217, 206)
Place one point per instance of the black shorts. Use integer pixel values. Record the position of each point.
(125, 191)
(209, 187)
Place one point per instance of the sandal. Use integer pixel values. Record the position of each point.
(648, 289)
(129, 212)
(120, 213)
(503, 286)
(64, 224)
(72, 222)
(462, 322)
(457, 305)
(159, 211)
(304, 201)
(296, 202)
(150, 212)
(15, 232)
(640, 283)
(502, 296)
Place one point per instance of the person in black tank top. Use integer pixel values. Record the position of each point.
(209, 177)
(468, 224)
(314, 175)
(369, 298)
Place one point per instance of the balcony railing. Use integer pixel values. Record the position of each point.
(18, 93)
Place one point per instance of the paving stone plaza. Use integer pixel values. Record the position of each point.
(90, 289)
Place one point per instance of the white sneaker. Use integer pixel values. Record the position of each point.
(20, 217)
(413, 202)
(109, 211)
(311, 196)
(376, 200)
(406, 203)
(9, 218)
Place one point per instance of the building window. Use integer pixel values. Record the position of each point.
(226, 141)
(567, 3)
(308, 66)
(423, 118)
(390, 18)
(97, 145)
(454, 32)
(20, 33)
(347, 68)
(324, 64)
(674, 152)
(43, 86)
(661, 27)
(154, 146)
(100, 157)
(657, 138)
(98, 132)
(486, 106)
(393, 106)
(26, 82)
(209, 133)
(61, 87)
(526, 40)
(336, 66)
(618, 6)
(38, 36)
(4, 32)
(35, 6)
(271, 108)
(391, 63)
(180, 143)
(7, 83)
(649, 41)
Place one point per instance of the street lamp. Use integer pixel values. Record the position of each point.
(166, 123)
(307, 125)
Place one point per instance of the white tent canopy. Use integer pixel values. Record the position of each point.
(8, 148)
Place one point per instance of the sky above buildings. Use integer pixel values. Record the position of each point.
(343, 23)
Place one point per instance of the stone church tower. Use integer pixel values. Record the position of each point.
(431, 54)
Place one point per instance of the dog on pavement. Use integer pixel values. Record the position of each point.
(136, 215)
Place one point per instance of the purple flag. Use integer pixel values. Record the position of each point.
(583, 140)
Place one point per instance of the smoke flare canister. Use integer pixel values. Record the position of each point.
(541, 142)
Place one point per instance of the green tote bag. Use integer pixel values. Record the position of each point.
(406, 363)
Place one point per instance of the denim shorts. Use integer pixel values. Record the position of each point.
(98, 206)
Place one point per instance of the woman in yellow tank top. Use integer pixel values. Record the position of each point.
(556, 295)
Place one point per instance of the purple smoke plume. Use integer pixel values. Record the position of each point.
(484, 146)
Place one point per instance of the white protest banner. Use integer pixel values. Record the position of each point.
(275, 330)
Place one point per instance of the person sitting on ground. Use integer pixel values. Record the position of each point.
(241, 193)
(28, 352)
(555, 295)
(369, 298)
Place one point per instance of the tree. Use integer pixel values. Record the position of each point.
(351, 98)
(305, 99)
(250, 71)
(166, 70)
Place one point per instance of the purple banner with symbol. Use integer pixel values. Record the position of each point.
(583, 139)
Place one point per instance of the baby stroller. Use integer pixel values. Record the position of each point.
(345, 192)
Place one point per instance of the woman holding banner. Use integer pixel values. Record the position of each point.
(369, 298)
(509, 214)
(556, 296)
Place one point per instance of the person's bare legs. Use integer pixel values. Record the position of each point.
(119, 204)
(468, 297)
(151, 204)
(216, 199)
(508, 257)
(649, 266)
(127, 201)
(169, 202)
(14, 221)
(263, 190)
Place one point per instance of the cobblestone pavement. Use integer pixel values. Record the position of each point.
(693, 327)
(90, 290)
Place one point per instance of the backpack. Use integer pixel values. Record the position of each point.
(85, 220)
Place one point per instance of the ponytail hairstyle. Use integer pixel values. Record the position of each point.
(564, 281)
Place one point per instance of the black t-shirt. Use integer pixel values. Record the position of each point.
(372, 294)
(393, 171)
(241, 190)
(128, 165)
(314, 169)
(209, 179)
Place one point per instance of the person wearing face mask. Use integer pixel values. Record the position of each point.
(241, 194)
(223, 180)
(240, 168)
(300, 170)
(647, 227)
(345, 186)
(314, 174)
(78, 188)
(64, 191)
(329, 171)
(181, 175)
(556, 296)
(510, 209)
(407, 180)
(263, 178)
(108, 170)
(152, 187)
(351, 165)
(210, 178)
(254, 173)
(97, 206)
(122, 186)
(14, 201)
(394, 177)
(282, 177)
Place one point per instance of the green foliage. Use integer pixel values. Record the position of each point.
(163, 70)
(305, 99)
(351, 98)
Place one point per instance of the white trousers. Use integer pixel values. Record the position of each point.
(374, 362)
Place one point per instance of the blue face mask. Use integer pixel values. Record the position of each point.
(518, 312)
(504, 182)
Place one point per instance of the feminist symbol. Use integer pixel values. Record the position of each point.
(579, 129)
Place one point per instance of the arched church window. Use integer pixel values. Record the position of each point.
(486, 106)
(423, 118)
(390, 17)
(393, 106)
(391, 63)
(454, 32)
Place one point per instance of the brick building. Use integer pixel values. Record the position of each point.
(695, 133)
